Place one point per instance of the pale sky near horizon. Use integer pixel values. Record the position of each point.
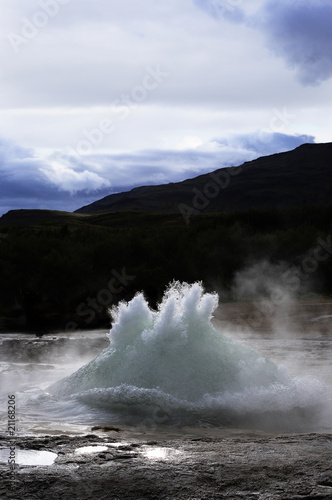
(99, 96)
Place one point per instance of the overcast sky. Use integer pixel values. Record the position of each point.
(99, 96)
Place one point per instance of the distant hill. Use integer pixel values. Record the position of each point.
(298, 178)
(54, 219)
(31, 217)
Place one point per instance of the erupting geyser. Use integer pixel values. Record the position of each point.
(175, 359)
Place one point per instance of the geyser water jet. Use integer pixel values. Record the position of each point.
(175, 359)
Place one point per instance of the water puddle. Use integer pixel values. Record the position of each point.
(160, 453)
(28, 457)
(120, 444)
(90, 449)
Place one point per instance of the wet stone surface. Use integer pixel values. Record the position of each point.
(243, 466)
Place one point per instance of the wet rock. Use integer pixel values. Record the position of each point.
(106, 428)
(182, 467)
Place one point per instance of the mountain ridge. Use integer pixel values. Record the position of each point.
(296, 178)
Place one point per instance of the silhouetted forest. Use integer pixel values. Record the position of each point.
(57, 273)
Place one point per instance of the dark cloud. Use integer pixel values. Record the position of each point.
(300, 32)
(296, 30)
(23, 183)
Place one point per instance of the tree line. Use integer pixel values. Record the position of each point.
(50, 270)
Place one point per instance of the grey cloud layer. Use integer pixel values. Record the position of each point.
(207, 65)
(23, 183)
(263, 143)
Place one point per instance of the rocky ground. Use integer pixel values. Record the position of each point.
(200, 465)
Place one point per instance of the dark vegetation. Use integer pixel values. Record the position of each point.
(55, 268)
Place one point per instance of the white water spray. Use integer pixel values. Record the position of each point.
(175, 359)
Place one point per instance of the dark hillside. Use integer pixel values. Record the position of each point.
(298, 178)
